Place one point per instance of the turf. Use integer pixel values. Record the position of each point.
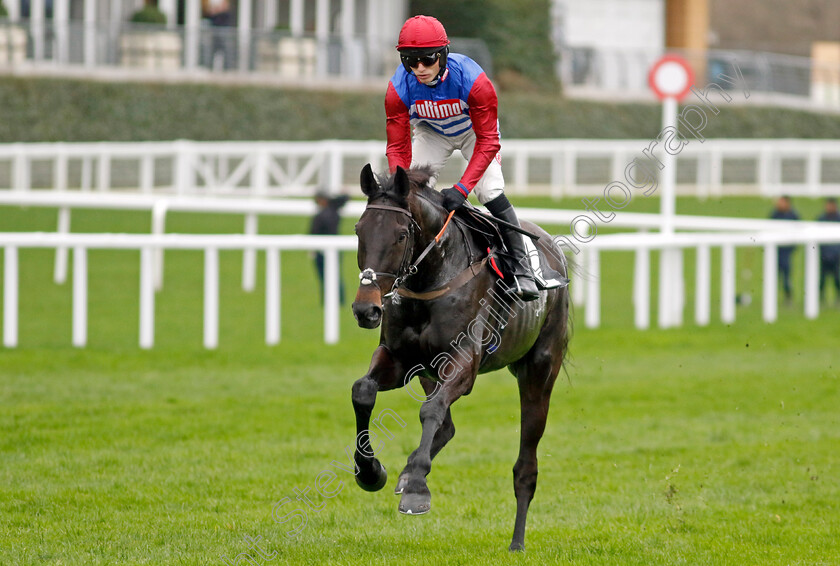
(715, 445)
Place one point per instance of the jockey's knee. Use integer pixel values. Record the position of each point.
(486, 194)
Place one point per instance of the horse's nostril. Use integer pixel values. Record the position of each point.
(367, 315)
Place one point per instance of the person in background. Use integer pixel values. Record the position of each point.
(784, 210)
(830, 253)
(325, 223)
(223, 45)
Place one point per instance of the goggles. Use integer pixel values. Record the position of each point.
(413, 61)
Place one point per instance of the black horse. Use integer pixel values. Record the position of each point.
(446, 317)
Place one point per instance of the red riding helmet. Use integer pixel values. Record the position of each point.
(421, 33)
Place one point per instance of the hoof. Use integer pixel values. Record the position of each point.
(517, 547)
(378, 483)
(401, 483)
(415, 503)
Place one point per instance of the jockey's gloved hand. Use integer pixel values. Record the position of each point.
(452, 198)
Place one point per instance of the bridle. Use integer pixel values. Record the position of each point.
(406, 269)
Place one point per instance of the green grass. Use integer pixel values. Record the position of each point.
(714, 445)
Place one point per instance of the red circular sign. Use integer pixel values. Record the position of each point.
(671, 77)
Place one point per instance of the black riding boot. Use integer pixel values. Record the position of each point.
(524, 285)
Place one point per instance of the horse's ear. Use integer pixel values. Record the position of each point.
(368, 181)
(401, 183)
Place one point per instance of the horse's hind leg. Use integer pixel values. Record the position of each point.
(536, 374)
(534, 394)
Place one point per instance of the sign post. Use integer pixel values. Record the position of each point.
(671, 79)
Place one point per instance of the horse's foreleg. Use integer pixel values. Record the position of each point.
(447, 429)
(434, 413)
(370, 474)
(442, 437)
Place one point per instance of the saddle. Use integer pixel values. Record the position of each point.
(488, 236)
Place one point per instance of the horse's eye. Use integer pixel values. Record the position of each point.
(356, 228)
(403, 236)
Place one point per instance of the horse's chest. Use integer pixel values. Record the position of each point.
(404, 329)
(421, 336)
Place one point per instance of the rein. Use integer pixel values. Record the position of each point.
(430, 246)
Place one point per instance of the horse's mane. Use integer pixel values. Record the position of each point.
(419, 181)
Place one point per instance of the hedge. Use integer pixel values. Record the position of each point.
(517, 33)
(33, 110)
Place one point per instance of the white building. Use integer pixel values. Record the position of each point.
(291, 39)
(607, 47)
(608, 44)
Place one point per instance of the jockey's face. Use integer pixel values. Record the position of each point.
(426, 74)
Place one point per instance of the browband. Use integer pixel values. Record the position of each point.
(392, 208)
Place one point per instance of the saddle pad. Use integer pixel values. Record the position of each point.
(484, 231)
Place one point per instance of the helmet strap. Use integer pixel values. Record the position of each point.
(444, 54)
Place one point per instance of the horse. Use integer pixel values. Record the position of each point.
(445, 317)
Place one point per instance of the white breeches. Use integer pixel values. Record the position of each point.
(430, 148)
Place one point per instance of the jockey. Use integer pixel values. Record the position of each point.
(451, 104)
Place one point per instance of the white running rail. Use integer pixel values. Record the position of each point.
(11, 242)
(251, 208)
(560, 167)
(640, 244)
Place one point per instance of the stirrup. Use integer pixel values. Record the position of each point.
(525, 294)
